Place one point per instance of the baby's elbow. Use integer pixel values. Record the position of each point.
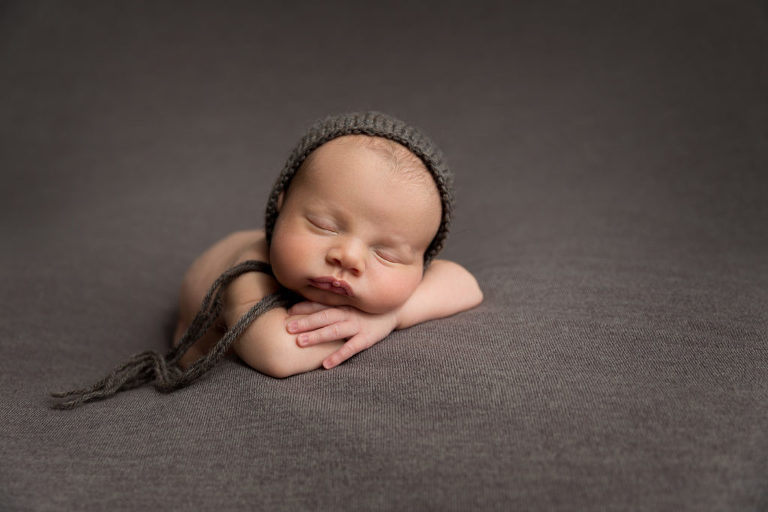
(478, 295)
(278, 364)
(277, 370)
(277, 360)
(475, 294)
(470, 288)
(464, 283)
(272, 356)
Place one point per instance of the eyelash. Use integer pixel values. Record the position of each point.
(386, 257)
(389, 258)
(322, 226)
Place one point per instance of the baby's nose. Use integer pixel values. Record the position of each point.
(349, 254)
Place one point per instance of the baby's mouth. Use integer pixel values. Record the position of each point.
(333, 285)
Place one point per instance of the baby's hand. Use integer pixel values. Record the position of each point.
(317, 323)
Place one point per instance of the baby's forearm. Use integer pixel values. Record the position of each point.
(447, 288)
(267, 347)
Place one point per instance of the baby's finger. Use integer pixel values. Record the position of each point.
(316, 320)
(306, 308)
(350, 348)
(333, 332)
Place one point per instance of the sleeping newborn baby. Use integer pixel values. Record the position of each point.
(353, 225)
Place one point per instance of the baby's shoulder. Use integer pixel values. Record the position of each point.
(233, 249)
(252, 286)
(248, 245)
(226, 253)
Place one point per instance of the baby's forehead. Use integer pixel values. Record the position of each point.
(400, 157)
(381, 144)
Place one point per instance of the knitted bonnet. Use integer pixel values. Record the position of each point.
(374, 124)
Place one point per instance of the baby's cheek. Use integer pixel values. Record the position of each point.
(395, 290)
(286, 258)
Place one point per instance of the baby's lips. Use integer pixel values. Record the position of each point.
(343, 285)
(332, 284)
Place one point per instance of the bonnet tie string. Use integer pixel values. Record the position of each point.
(163, 370)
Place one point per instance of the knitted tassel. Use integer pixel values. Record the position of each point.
(163, 370)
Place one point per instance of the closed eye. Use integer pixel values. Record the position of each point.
(388, 256)
(322, 224)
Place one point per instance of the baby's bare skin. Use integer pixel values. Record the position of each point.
(204, 270)
(350, 237)
(245, 291)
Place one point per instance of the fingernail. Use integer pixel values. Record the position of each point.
(292, 325)
(302, 339)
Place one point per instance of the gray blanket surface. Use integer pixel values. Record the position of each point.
(610, 167)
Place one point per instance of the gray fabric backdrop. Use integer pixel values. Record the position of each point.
(610, 162)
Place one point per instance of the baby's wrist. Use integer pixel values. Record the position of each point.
(398, 317)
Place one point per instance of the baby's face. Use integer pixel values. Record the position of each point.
(352, 229)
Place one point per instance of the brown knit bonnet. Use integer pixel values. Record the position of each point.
(375, 124)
